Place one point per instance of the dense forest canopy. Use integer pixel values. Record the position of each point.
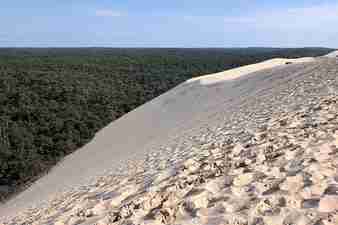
(53, 101)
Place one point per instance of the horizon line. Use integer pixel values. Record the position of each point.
(154, 47)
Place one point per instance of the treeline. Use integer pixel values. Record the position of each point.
(53, 101)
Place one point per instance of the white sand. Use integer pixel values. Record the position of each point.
(182, 108)
(332, 54)
(244, 70)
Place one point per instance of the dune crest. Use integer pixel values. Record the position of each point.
(245, 70)
(332, 54)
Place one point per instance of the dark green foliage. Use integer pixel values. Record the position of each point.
(52, 101)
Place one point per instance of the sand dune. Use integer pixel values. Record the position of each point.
(244, 70)
(197, 104)
(332, 54)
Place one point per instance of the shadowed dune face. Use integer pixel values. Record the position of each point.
(188, 107)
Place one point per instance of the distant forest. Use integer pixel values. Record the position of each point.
(53, 101)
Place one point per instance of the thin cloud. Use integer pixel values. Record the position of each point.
(318, 16)
(107, 13)
(245, 20)
(297, 26)
(309, 17)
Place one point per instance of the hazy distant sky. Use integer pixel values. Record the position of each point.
(168, 23)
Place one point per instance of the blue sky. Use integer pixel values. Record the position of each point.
(174, 23)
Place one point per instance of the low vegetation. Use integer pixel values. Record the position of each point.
(53, 101)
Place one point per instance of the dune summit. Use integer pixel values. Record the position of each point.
(332, 54)
(257, 148)
(244, 70)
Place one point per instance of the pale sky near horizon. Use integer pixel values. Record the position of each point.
(174, 23)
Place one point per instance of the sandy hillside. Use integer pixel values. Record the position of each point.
(232, 74)
(332, 54)
(173, 127)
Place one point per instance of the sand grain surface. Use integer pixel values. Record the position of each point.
(170, 129)
(244, 70)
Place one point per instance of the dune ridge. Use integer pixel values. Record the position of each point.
(244, 70)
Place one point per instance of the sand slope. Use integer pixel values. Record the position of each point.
(185, 108)
(332, 54)
(244, 70)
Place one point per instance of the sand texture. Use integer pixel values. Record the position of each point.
(232, 74)
(257, 148)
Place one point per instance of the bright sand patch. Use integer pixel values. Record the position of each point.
(332, 54)
(244, 70)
